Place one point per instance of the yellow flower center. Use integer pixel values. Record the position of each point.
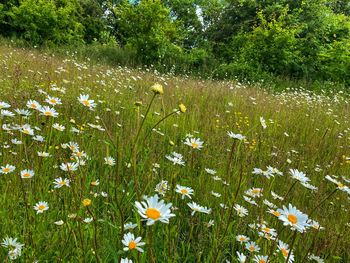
(242, 239)
(41, 207)
(262, 261)
(184, 191)
(340, 185)
(292, 218)
(26, 131)
(152, 213)
(276, 213)
(132, 245)
(194, 145)
(256, 191)
(62, 183)
(266, 229)
(6, 169)
(33, 106)
(284, 252)
(86, 102)
(252, 248)
(48, 113)
(53, 101)
(26, 175)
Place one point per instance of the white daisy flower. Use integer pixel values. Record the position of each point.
(26, 174)
(131, 243)
(195, 143)
(197, 208)
(153, 210)
(293, 217)
(41, 206)
(184, 191)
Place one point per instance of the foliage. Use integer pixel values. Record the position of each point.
(293, 39)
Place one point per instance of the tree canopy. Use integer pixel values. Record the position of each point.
(230, 38)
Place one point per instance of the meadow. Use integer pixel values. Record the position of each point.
(108, 164)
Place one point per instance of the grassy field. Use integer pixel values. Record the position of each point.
(225, 171)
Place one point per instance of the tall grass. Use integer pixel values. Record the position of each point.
(85, 222)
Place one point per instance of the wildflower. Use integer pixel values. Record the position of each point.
(129, 225)
(210, 171)
(293, 217)
(182, 108)
(254, 192)
(7, 169)
(109, 161)
(241, 257)
(215, 194)
(176, 158)
(252, 247)
(9, 242)
(157, 89)
(41, 206)
(27, 174)
(276, 196)
(184, 191)
(210, 223)
(26, 129)
(162, 187)
(242, 238)
(4, 105)
(43, 154)
(53, 101)
(88, 220)
(232, 135)
(131, 243)
(38, 138)
(260, 259)
(263, 123)
(315, 258)
(153, 209)
(48, 112)
(15, 248)
(241, 211)
(6, 113)
(32, 104)
(59, 223)
(197, 208)
(84, 99)
(195, 143)
(86, 202)
(125, 260)
(69, 167)
(59, 182)
(95, 183)
(284, 249)
(300, 176)
(340, 185)
(23, 112)
(249, 200)
(58, 127)
(274, 212)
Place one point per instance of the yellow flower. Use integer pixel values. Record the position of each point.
(157, 89)
(182, 108)
(86, 202)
